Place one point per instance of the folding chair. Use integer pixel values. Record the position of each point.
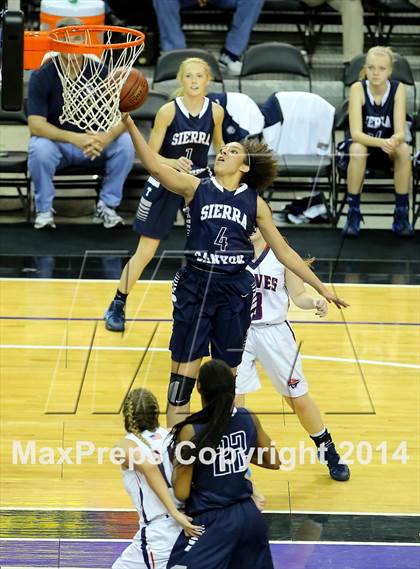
(299, 130)
(274, 57)
(14, 163)
(243, 118)
(416, 174)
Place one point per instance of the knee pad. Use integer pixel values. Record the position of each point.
(180, 389)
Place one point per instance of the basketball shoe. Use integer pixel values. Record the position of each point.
(107, 216)
(115, 316)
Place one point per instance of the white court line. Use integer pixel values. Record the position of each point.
(58, 509)
(153, 349)
(156, 281)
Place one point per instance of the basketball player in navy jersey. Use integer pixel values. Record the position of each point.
(214, 294)
(183, 132)
(218, 495)
(377, 114)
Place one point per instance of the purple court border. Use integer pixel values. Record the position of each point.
(101, 554)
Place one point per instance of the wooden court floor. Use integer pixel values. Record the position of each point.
(362, 366)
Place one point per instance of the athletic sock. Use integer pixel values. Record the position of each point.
(120, 296)
(353, 200)
(401, 200)
(322, 437)
(231, 55)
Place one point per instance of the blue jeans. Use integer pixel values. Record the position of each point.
(169, 21)
(47, 156)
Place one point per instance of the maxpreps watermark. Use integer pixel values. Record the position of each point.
(227, 458)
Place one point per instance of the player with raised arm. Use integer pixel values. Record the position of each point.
(214, 294)
(271, 341)
(182, 134)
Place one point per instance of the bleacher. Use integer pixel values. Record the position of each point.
(316, 32)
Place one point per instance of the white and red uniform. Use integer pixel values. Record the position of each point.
(152, 544)
(270, 337)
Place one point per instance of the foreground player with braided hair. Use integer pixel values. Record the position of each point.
(213, 296)
(148, 484)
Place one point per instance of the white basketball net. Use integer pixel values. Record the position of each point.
(92, 82)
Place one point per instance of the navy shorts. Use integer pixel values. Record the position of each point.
(377, 159)
(157, 210)
(211, 309)
(235, 537)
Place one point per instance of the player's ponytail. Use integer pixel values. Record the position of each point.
(141, 413)
(263, 167)
(217, 387)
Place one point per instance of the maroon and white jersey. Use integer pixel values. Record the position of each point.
(272, 297)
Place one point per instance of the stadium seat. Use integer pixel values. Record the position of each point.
(299, 130)
(391, 13)
(167, 65)
(416, 175)
(14, 164)
(274, 57)
(243, 117)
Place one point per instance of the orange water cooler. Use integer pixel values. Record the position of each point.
(91, 12)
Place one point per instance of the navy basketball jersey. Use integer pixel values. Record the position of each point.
(222, 482)
(378, 120)
(219, 223)
(190, 136)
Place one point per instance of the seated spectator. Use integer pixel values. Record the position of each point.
(244, 19)
(54, 146)
(377, 114)
(352, 21)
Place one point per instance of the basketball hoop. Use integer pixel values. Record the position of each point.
(93, 63)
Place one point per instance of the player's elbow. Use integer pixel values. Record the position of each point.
(182, 493)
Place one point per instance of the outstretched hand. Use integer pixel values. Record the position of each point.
(331, 297)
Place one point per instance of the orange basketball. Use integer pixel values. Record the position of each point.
(134, 91)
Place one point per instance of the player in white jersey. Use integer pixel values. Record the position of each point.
(271, 341)
(147, 472)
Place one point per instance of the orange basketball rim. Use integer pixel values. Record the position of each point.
(37, 44)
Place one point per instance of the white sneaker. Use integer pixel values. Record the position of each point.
(45, 219)
(107, 215)
(231, 67)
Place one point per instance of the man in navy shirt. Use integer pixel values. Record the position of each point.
(55, 145)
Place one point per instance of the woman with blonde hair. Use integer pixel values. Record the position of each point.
(147, 471)
(377, 113)
(182, 135)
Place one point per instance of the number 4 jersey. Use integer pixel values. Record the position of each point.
(219, 224)
(272, 298)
